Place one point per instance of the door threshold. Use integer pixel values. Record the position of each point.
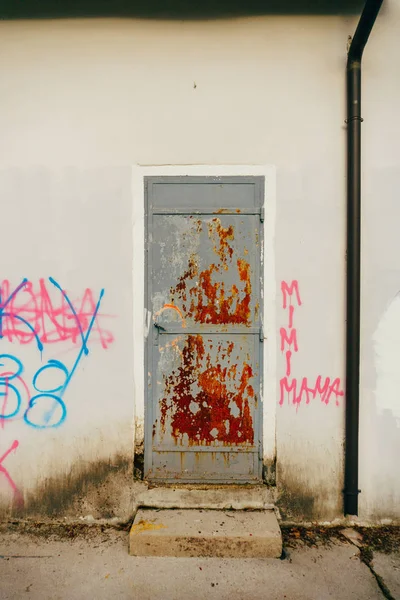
(212, 497)
(190, 485)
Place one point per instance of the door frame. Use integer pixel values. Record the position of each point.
(142, 317)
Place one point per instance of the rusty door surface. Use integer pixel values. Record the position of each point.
(204, 345)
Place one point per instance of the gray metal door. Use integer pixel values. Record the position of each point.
(204, 346)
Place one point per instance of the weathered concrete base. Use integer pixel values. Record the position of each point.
(212, 497)
(207, 533)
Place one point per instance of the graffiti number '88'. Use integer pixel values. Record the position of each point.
(45, 409)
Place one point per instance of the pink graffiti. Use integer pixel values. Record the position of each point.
(296, 394)
(289, 339)
(52, 316)
(301, 391)
(18, 497)
(289, 290)
(288, 362)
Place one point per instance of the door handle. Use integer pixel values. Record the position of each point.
(158, 328)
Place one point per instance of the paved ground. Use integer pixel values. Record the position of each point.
(95, 564)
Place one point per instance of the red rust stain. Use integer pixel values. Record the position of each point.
(220, 236)
(207, 398)
(190, 273)
(250, 391)
(180, 288)
(204, 295)
(221, 211)
(205, 415)
(211, 303)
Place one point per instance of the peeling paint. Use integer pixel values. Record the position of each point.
(207, 397)
(203, 296)
(204, 271)
(220, 409)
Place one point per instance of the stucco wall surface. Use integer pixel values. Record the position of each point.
(84, 102)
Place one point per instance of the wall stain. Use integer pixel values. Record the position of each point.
(138, 464)
(94, 488)
(295, 502)
(298, 500)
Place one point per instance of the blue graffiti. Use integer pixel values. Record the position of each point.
(11, 368)
(74, 311)
(47, 408)
(51, 365)
(5, 388)
(42, 408)
(8, 375)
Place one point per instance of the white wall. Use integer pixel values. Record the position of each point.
(60, 223)
(380, 398)
(83, 101)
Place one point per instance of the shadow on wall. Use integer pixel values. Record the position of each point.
(174, 9)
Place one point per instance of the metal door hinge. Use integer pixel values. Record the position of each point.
(262, 214)
(261, 334)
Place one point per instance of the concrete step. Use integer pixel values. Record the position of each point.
(210, 533)
(212, 497)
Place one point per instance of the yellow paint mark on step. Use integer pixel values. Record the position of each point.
(146, 526)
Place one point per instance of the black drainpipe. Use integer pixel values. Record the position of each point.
(354, 120)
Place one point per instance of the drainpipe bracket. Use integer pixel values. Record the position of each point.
(354, 119)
